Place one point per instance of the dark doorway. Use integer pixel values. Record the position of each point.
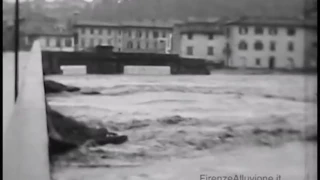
(271, 62)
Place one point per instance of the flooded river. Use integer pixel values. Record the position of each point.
(181, 127)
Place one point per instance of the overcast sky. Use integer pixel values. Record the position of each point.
(32, 0)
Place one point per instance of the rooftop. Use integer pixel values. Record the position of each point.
(275, 21)
(35, 28)
(136, 23)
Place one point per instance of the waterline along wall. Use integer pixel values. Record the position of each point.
(25, 141)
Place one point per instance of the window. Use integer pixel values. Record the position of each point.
(258, 46)
(48, 42)
(210, 51)
(119, 32)
(100, 31)
(291, 31)
(164, 34)
(59, 42)
(129, 45)
(92, 31)
(139, 34)
(155, 45)
(272, 46)
(272, 62)
(129, 33)
(290, 46)
(189, 50)
(147, 34)
(155, 34)
(190, 35)
(68, 42)
(100, 41)
(83, 42)
(243, 45)
(138, 45)
(243, 30)
(83, 30)
(91, 42)
(211, 36)
(147, 45)
(273, 31)
(258, 61)
(258, 30)
(109, 42)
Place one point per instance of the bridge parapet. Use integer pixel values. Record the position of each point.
(25, 141)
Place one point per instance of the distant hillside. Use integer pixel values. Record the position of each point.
(181, 9)
(166, 9)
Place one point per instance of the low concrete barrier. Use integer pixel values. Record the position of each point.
(147, 70)
(25, 141)
(74, 70)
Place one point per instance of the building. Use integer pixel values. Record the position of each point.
(200, 39)
(53, 37)
(143, 36)
(270, 43)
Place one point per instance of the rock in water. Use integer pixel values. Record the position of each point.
(55, 87)
(65, 133)
(90, 92)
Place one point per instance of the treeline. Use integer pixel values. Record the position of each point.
(177, 9)
(181, 9)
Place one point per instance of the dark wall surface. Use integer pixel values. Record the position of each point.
(100, 63)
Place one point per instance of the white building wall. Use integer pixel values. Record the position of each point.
(111, 36)
(281, 53)
(200, 44)
(52, 46)
(108, 36)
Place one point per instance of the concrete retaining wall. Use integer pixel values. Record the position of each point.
(25, 141)
(101, 63)
(147, 70)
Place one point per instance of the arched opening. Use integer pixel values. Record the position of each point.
(243, 45)
(258, 45)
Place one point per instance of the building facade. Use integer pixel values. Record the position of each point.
(203, 40)
(250, 42)
(131, 36)
(57, 42)
(268, 43)
(52, 37)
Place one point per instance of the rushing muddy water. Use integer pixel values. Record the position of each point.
(218, 124)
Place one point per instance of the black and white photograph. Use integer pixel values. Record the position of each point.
(160, 89)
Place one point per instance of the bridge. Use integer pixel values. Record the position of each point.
(25, 136)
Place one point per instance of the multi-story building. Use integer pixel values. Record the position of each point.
(200, 39)
(269, 43)
(52, 37)
(144, 36)
(249, 42)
